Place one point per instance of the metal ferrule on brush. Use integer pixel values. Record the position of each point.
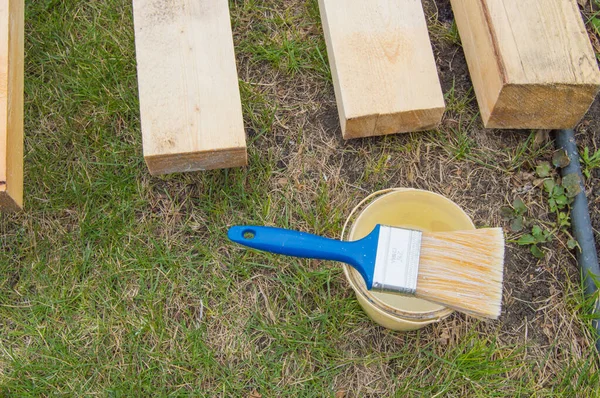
(397, 261)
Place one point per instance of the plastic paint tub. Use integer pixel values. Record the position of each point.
(409, 208)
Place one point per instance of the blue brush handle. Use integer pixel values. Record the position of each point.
(360, 254)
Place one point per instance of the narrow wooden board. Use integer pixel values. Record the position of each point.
(11, 104)
(382, 64)
(190, 105)
(531, 61)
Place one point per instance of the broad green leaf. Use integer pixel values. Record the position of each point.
(519, 206)
(526, 239)
(572, 184)
(572, 244)
(517, 224)
(537, 252)
(561, 201)
(558, 190)
(543, 169)
(549, 185)
(552, 204)
(560, 158)
(507, 213)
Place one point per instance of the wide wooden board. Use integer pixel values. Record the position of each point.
(189, 96)
(531, 61)
(382, 64)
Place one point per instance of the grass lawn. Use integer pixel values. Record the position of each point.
(116, 283)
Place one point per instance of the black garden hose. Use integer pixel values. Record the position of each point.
(582, 226)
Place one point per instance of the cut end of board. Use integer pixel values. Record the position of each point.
(400, 122)
(540, 106)
(186, 162)
(7, 202)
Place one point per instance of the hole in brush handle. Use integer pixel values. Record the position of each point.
(248, 234)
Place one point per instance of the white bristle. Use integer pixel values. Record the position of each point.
(463, 270)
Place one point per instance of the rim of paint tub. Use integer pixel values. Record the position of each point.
(353, 276)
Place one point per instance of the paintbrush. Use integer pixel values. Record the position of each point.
(462, 270)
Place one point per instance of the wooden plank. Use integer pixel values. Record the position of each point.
(382, 64)
(190, 104)
(11, 104)
(531, 61)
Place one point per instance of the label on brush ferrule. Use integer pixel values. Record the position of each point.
(397, 261)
